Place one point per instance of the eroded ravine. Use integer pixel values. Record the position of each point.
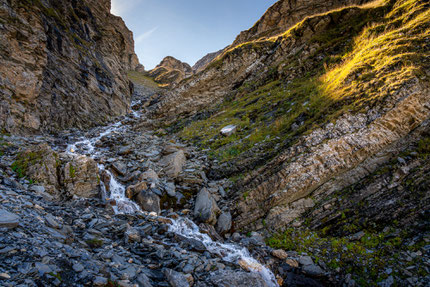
(115, 192)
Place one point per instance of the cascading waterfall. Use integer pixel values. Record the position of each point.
(182, 226)
(228, 252)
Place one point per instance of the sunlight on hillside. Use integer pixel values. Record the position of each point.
(384, 54)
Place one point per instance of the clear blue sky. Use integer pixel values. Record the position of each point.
(186, 29)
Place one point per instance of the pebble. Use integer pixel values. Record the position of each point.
(4, 276)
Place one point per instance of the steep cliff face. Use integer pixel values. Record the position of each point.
(170, 71)
(318, 108)
(286, 13)
(62, 64)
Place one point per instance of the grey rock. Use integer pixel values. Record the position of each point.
(52, 222)
(228, 130)
(170, 189)
(176, 279)
(143, 281)
(206, 209)
(78, 267)
(8, 220)
(150, 175)
(149, 201)
(129, 273)
(313, 270)
(306, 260)
(125, 150)
(37, 188)
(230, 278)
(174, 163)
(119, 168)
(133, 235)
(100, 281)
(42, 268)
(224, 223)
(387, 282)
(188, 269)
(358, 235)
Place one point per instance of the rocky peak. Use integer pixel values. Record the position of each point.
(170, 62)
(170, 71)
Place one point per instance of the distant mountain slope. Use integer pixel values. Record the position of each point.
(170, 71)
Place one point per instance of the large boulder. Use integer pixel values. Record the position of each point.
(39, 164)
(135, 189)
(206, 209)
(173, 163)
(224, 223)
(148, 201)
(80, 177)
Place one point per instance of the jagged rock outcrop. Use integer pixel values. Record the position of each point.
(170, 71)
(333, 158)
(62, 64)
(286, 13)
(201, 64)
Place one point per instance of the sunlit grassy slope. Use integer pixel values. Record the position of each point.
(365, 59)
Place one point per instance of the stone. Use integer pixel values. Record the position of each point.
(52, 222)
(78, 267)
(133, 235)
(293, 263)
(42, 167)
(143, 281)
(81, 177)
(100, 281)
(4, 276)
(150, 175)
(133, 190)
(306, 260)
(120, 168)
(129, 273)
(228, 130)
(125, 150)
(279, 253)
(224, 223)
(176, 279)
(8, 219)
(148, 201)
(42, 268)
(173, 163)
(37, 188)
(205, 209)
(170, 189)
(313, 270)
(231, 278)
